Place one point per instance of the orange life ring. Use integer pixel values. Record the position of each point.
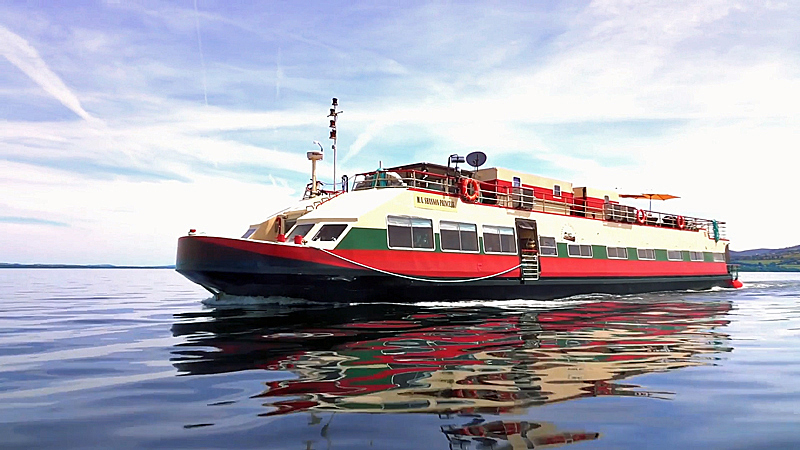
(640, 216)
(681, 222)
(466, 185)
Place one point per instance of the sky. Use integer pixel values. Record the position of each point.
(124, 123)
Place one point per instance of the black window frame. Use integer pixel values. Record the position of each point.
(697, 256)
(544, 248)
(336, 238)
(616, 251)
(581, 248)
(410, 220)
(292, 234)
(460, 233)
(671, 255)
(645, 258)
(500, 235)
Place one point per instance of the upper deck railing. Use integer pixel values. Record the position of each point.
(524, 198)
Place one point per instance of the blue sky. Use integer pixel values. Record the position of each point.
(125, 123)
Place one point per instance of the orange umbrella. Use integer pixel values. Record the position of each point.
(650, 196)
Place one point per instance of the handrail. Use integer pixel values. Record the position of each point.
(526, 198)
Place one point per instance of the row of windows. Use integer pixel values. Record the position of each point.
(417, 233)
(548, 247)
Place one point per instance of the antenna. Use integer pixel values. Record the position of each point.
(335, 114)
(476, 159)
(454, 159)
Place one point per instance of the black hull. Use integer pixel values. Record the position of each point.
(383, 288)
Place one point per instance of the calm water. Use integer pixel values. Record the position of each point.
(143, 359)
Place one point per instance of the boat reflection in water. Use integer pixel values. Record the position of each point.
(465, 361)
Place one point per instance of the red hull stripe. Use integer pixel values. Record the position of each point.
(587, 267)
(434, 265)
(471, 265)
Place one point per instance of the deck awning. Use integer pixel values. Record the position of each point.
(650, 197)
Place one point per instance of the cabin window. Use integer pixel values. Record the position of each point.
(617, 252)
(330, 232)
(410, 232)
(299, 230)
(719, 257)
(459, 236)
(674, 255)
(696, 256)
(249, 232)
(579, 251)
(556, 190)
(547, 246)
(499, 239)
(646, 253)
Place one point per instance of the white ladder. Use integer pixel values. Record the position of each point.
(529, 266)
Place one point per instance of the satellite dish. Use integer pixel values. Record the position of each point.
(476, 159)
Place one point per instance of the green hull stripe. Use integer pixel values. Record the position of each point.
(364, 239)
(599, 252)
(376, 239)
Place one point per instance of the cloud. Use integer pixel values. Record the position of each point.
(31, 221)
(686, 97)
(22, 55)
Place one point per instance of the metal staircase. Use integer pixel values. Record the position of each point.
(529, 265)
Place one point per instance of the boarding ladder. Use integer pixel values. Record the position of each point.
(529, 265)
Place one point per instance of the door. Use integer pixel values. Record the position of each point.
(528, 243)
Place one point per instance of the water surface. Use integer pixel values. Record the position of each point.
(144, 359)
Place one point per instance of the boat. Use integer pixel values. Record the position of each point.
(434, 232)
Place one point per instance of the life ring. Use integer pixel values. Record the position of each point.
(640, 216)
(681, 222)
(466, 185)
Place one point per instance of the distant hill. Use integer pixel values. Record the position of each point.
(768, 259)
(76, 266)
(745, 254)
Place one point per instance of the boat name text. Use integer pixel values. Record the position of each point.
(439, 203)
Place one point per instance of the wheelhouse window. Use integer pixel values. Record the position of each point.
(330, 232)
(696, 256)
(300, 230)
(547, 246)
(579, 251)
(719, 257)
(674, 255)
(646, 253)
(459, 236)
(499, 239)
(249, 232)
(556, 190)
(617, 252)
(410, 232)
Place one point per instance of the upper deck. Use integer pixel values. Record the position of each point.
(514, 190)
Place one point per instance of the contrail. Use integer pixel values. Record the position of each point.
(278, 76)
(200, 46)
(22, 55)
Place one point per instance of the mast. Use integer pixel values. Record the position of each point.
(335, 114)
